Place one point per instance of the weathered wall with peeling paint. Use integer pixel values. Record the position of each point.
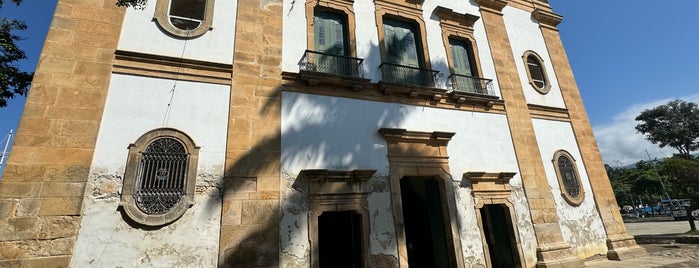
(321, 132)
(581, 225)
(134, 106)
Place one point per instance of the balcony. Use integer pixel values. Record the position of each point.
(471, 85)
(320, 62)
(400, 74)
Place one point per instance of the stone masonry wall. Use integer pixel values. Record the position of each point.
(250, 215)
(42, 189)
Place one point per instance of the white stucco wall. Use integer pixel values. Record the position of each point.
(524, 34)
(320, 132)
(134, 106)
(581, 225)
(367, 37)
(140, 33)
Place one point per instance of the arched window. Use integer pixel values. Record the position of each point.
(568, 178)
(184, 18)
(536, 72)
(160, 177)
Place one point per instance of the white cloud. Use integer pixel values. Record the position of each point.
(620, 144)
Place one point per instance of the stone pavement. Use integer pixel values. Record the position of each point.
(659, 255)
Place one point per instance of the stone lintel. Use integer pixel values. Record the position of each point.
(336, 182)
(623, 247)
(547, 18)
(403, 135)
(322, 175)
(447, 15)
(488, 182)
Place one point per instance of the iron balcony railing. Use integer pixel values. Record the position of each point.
(315, 61)
(395, 73)
(471, 84)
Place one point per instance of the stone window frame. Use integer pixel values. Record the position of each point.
(343, 7)
(573, 201)
(128, 202)
(409, 11)
(547, 82)
(458, 26)
(421, 154)
(335, 190)
(162, 19)
(493, 188)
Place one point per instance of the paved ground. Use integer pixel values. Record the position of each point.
(659, 255)
(657, 228)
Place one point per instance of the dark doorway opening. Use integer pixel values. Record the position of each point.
(500, 236)
(425, 227)
(340, 239)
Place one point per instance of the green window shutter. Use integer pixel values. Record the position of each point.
(329, 33)
(460, 56)
(400, 41)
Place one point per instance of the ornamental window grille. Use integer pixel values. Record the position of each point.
(161, 176)
(568, 178)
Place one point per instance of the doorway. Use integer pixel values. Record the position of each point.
(425, 228)
(499, 235)
(340, 239)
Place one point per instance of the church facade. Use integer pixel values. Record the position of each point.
(284, 133)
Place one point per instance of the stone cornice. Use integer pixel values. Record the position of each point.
(496, 5)
(318, 175)
(447, 16)
(547, 18)
(402, 135)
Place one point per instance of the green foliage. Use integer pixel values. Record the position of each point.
(680, 176)
(12, 80)
(675, 124)
(137, 4)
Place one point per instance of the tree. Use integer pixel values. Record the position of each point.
(13, 81)
(137, 4)
(675, 124)
(686, 173)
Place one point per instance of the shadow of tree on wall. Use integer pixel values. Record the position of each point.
(308, 144)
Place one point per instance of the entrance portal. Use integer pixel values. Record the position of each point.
(500, 236)
(340, 239)
(425, 227)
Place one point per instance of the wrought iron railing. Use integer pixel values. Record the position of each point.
(395, 73)
(471, 84)
(332, 64)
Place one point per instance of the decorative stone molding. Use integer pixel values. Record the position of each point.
(421, 154)
(459, 26)
(572, 200)
(493, 188)
(405, 10)
(162, 19)
(493, 5)
(323, 181)
(134, 63)
(547, 83)
(128, 202)
(335, 190)
(338, 6)
(547, 18)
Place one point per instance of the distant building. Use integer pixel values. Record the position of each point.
(365, 133)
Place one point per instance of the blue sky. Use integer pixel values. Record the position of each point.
(627, 56)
